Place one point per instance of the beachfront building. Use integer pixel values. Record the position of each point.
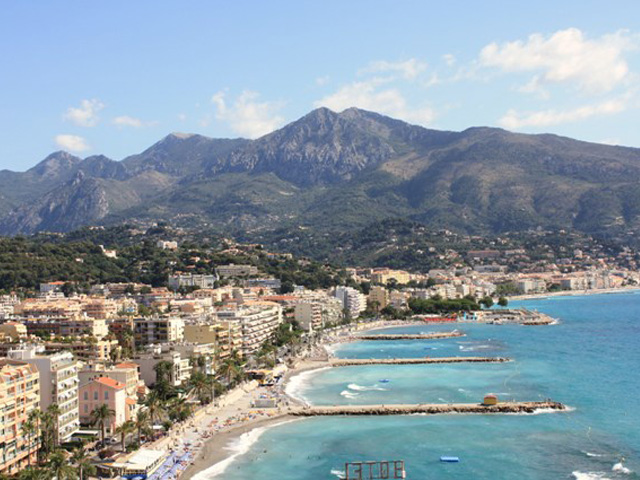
(19, 396)
(258, 322)
(352, 300)
(85, 349)
(58, 385)
(225, 336)
(104, 391)
(378, 297)
(147, 331)
(126, 373)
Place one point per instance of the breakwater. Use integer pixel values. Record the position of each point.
(414, 361)
(427, 409)
(418, 336)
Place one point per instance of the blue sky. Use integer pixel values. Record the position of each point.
(114, 77)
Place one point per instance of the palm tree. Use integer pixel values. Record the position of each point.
(29, 427)
(54, 411)
(124, 430)
(32, 473)
(59, 467)
(47, 423)
(100, 416)
(83, 463)
(142, 421)
(154, 405)
(199, 385)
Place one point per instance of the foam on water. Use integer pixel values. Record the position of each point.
(297, 385)
(589, 475)
(238, 447)
(619, 467)
(364, 388)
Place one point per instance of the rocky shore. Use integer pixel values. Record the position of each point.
(414, 361)
(418, 336)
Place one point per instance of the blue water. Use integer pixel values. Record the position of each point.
(589, 361)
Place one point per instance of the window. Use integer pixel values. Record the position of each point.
(86, 395)
(106, 395)
(95, 395)
(86, 408)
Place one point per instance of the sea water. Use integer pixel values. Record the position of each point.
(589, 361)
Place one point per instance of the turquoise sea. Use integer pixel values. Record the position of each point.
(589, 361)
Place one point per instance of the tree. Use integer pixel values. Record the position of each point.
(100, 416)
(29, 428)
(59, 466)
(83, 463)
(200, 386)
(141, 422)
(54, 419)
(486, 301)
(154, 405)
(124, 430)
(503, 302)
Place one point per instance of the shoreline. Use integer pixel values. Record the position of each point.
(575, 293)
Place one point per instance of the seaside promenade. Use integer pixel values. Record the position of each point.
(418, 336)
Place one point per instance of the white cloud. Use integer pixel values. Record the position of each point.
(72, 143)
(373, 95)
(449, 59)
(127, 121)
(409, 69)
(594, 65)
(320, 81)
(182, 117)
(514, 120)
(86, 115)
(247, 116)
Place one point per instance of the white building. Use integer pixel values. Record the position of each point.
(191, 280)
(179, 372)
(58, 385)
(352, 300)
(258, 320)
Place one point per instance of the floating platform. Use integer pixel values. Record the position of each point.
(448, 459)
(427, 409)
(417, 336)
(415, 361)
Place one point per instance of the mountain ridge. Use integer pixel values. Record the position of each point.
(338, 171)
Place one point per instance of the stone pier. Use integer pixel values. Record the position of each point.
(414, 361)
(418, 336)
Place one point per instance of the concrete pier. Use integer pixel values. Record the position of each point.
(427, 408)
(414, 361)
(419, 336)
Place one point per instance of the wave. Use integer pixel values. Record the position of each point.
(238, 447)
(619, 467)
(589, 475)
(589, 454)
(363, 388)
(348, 394)
(338, 473)
(297, 385)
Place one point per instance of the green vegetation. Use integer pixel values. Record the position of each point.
(437, 305)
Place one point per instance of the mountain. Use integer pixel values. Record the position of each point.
(333, 172)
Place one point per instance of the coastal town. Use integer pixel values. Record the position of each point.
(119, 379)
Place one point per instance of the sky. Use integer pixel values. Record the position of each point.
(115, 77)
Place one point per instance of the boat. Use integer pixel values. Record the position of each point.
(448, 459)
(384, 380)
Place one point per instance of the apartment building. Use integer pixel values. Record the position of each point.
(127, 373)
(180, 369)
(68, 327)
(383, 275)
(192, 280)
(258, 322)
(104, 391)
(19, 396)
(352, 300)
(85, 349)
(378, 297)
(147, 331)
(58, 385)
(231, 270)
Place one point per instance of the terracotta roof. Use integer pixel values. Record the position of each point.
(127, 365)
(130, 401)
(110, 382)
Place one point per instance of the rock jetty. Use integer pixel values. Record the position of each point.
(418, 336)
(427, 408)
(414, 361)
